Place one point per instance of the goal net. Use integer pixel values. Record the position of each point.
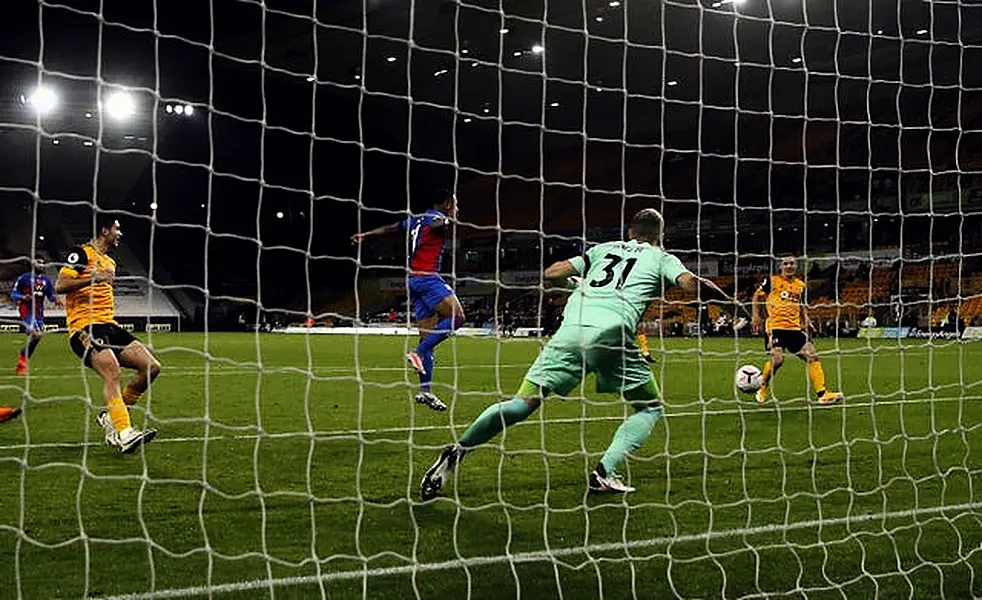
(242, 144)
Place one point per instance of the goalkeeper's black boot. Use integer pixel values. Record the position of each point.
(441, 469)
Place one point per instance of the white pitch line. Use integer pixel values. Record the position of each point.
(223, 368)
(244, 370)
(323, 436)
(537, 556)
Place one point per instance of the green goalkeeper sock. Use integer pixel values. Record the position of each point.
(495, 418)
(630, 436)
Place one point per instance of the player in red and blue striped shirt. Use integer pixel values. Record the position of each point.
(436, 308)
(30, 292)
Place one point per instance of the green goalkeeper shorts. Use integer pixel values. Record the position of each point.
(576, 351)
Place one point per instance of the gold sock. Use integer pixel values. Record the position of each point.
(766, 375)
(118, 412)
(130, 396)
(817, 375)
(643, 342)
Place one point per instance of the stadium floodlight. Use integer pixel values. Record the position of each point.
(43, 99)
(169, 109)
(538, 49)
(120, 105)
(279, 215)
(188, 109)
(153, 206)
(179, 109)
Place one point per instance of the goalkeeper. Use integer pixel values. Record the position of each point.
(597, 335)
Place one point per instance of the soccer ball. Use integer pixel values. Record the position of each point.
(749, 379)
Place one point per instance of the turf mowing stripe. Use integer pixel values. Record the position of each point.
(344, 433)
(533, 557)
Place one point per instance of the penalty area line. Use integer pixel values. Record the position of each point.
(541, 555)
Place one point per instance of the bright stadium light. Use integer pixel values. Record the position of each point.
(169, 109)
(188, 109)
(120, 105)
(153, 206)
(538, 49)
(279, 215)
(43, 99)
(179, 109)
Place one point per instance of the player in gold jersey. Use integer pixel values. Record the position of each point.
(786, 328)
(649, 315)
(87, 281)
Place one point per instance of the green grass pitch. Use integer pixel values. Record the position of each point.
(289, 467)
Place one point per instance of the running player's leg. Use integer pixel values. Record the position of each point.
(435, 301)
(808, 354)
(94, 349)
(643, 345)
(104, 362)
(138, 357)
(34, 331)
(8, 413)
(450, 315)
(775, 345)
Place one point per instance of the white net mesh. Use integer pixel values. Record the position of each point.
(242, 143)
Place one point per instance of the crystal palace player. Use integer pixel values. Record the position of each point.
(438, 312)
(619, 281)
(93, 334)
(786, 327)
(30, 292)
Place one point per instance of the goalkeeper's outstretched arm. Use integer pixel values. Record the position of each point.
(704, 288)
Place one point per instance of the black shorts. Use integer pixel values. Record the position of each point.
(792, 340)
(96, 338)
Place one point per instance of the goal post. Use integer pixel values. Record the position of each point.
(242, 144)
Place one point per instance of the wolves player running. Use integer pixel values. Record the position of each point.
(619, 281)
(104, 346)
(30, 292)
(436, 308)
(786, 326)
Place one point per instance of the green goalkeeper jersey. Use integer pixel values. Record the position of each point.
(620, 280)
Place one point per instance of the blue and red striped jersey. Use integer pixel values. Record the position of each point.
(427, 236)
(30, 291)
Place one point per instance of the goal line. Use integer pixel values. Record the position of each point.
(556, 553)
